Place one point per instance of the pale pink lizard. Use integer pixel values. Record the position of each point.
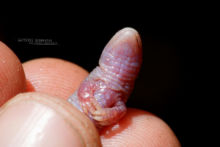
(102, 95)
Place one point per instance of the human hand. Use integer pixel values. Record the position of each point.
(37, 119)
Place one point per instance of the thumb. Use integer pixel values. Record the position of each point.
(35, 119)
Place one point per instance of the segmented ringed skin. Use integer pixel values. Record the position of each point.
(102, 95)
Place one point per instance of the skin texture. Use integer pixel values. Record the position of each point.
(40, 78)
(137, 127)
(16, 78)
(103, 94)
(44, 121)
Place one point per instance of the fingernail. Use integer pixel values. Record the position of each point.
(29, 121)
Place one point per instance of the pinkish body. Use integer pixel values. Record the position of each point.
(103, 94)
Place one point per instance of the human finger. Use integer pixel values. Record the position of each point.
(12, 79)
(53, 76)
(139, 128)
(36, 119)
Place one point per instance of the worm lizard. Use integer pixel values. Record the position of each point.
(103, 94)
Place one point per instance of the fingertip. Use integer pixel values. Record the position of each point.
(12, 78)
(139, 128)
(36, 119)
(53, 76)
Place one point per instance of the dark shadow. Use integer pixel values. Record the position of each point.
(29, 86)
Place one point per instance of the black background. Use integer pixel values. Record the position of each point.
(164, 86)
